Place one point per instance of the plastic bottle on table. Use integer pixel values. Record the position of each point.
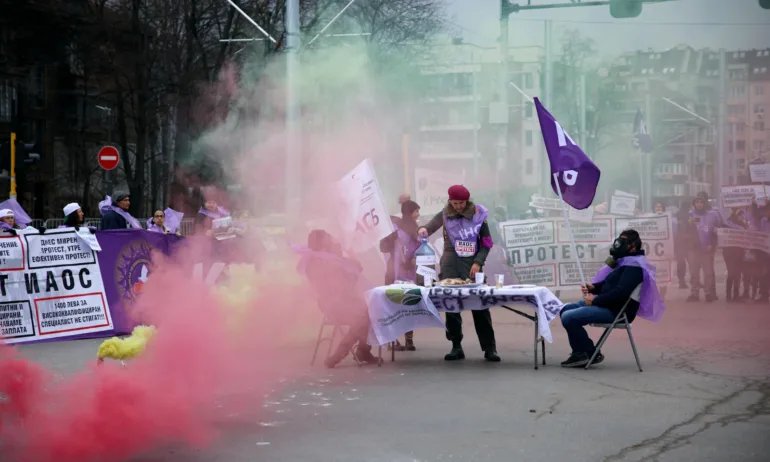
(424, 256)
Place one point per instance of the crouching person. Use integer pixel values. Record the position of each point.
(335, 279)
(602, 301)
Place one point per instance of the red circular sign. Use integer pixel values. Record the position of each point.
(108, 158)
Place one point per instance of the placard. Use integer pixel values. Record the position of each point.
(366, 220)
(743, 238)
(89, 238)
(760, 173)
(623, 205)
(540, 251)
(540, 202)
(50, 286)
(743, 195)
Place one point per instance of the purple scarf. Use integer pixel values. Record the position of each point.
(106, 205)
(651, 306)
(220, 213)
(173, 221)
(464, 229)
(21, 217)
(405, 247)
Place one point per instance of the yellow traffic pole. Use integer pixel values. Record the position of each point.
(13, 165)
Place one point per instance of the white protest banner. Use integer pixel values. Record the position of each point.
(427, 273)
(624, 194)
(367, 220)
(431, 187)
(760, 173)
(89, 239)
(623, 205)
(742, 196)
(743, 238)
(50, 286)
(581, 216)
(656, 232)
(540, 202)
(541, 253)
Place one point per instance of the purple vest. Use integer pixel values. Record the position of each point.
(405, 247)
(706, 227)
(651, 306)
(464, 229)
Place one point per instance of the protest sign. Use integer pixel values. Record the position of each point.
(541, 254)
(540, 202)
(742, 196)
(760, 173)
(89, 239)
(743, 238)
(366, 220)
(623, 205)
(430, 188)
(620, 193)
(50, 287)
(581, 216)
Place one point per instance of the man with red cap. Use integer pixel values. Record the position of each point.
(467, 242)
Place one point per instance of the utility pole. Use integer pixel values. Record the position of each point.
(293, 129)
(475, 119)
(12, 173)
(647, 163)
(721, 120)
(504, 77)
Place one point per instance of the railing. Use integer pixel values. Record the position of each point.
(186, 228)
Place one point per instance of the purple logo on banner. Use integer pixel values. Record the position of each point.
(578, 176)
(132, 269)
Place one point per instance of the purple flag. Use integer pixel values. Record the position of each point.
(578, 177)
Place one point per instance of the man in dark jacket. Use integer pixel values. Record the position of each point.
(466, 246)
(603, 301)
(111, 219)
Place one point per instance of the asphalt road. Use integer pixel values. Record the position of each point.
(704, 396)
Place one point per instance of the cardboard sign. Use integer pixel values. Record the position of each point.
(623, 205)
(760, 173)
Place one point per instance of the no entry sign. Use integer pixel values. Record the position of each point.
(108, 158)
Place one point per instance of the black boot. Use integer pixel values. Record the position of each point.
(491, 355)
(409, 344)
(456, 353)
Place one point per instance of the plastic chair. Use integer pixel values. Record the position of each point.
(337, 328)
(621, 322)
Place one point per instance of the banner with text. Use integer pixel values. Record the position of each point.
(50, 287)
(367, 220)
(54, 286)
(541, 254)
(743, 238)
(743, 196)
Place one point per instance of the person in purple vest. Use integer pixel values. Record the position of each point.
(467, 242)
(400, 247)
(760, 220)
(603, 299)
(701, 255)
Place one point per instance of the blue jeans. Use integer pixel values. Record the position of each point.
(576, 315)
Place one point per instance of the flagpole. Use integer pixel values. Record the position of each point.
(569, 227)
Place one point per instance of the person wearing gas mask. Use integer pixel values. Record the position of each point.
(704, 222)
(627, 267)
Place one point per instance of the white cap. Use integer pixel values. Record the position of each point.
(71, 207)
(5, 213)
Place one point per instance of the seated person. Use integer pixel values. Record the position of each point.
(334, 277)
(602, 301)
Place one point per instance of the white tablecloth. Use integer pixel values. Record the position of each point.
(397, 309)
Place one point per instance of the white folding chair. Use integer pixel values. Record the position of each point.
(621, 322)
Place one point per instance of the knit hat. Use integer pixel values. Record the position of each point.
(459, 192)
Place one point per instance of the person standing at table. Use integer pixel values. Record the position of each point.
(467, 242)
(401, 246)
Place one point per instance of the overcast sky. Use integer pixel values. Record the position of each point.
(698, 23)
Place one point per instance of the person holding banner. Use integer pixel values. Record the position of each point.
(603, 299)
(760, 218)
(74, 217)
(467, 242)
(115, 213)
(158, 223)
(735, 260)
(701, 255)
(400, 247)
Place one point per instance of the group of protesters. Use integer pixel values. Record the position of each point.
(115, 215)
(696, 245)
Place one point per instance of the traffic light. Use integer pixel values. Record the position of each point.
(622, 9)
(765, 4)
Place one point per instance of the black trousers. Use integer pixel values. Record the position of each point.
(482, 320)
(453, 266)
